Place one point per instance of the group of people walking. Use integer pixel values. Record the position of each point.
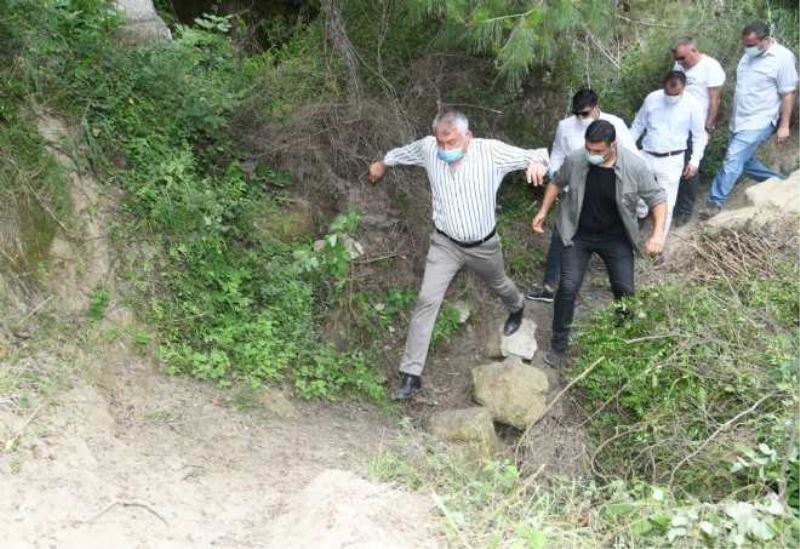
(604, 184)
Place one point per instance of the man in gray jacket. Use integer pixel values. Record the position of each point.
(600, 187)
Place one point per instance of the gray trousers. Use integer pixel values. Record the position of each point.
(445, 259)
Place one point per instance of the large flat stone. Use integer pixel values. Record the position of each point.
(472, 425)
(513, 392)
(521, 343)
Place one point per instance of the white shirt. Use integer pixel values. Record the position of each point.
(465, 198)
(760, 83)
(706, 73)
(570, 136)
(668, 126)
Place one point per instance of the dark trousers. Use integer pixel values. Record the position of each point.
(617, 254)
(687, 190)
(553, 266)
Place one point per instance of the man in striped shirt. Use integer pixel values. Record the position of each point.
(465, 174)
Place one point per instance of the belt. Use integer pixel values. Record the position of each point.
(467, 244)
(664, 155)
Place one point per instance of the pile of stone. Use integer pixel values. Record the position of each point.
(508, 391)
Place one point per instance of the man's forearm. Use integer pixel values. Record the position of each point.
(713, 107)
(787, 103)
(550, 195)
(659, 219)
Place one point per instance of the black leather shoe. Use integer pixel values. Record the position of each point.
(513, 322)
(409, 386)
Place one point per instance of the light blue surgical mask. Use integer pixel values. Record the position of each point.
(752, 51)
(672, 99)
(453, 155)
(594, 159)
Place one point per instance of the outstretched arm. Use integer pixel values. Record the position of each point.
(508, 158)
(412, 154)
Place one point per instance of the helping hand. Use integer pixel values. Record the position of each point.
(535, 173)
(690, 171)
(654, 246)
(538, 222)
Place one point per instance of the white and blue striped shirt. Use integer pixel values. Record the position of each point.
(465, 198)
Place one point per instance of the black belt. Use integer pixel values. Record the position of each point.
(467, 244)
(664, 155)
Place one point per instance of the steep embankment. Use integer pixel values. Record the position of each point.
(117, 454)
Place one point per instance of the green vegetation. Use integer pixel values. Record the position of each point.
(699, 390)
(228, 302)
(692, 409)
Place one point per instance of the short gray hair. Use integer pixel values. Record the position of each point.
(684, 41)
(448, 120)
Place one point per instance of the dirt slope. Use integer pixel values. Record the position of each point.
(134, 458)
(126, 456)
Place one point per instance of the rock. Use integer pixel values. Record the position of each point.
(471, 425)
(514, 393)
(277, 403)
(354, 248)
(463, 311)
(521, 343)
(769, 201)
(142, 23)
(337, 509)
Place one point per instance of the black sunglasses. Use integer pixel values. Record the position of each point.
(680, 59)
(584, 114)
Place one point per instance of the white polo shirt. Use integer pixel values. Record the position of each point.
(760, 83)
(706, 73)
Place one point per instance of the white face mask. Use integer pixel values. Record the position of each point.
(584, 122)
(672, 99)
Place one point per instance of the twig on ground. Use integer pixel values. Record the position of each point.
(10, 443)
(647, 338)
(571, 383)
(125, 504)
(721, 428)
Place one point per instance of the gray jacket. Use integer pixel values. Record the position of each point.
(634, 181)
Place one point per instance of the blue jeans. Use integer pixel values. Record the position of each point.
(740, 157)
(553, 266)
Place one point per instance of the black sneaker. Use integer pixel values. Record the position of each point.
(554, 359)
(409, 386)
(679, 220)
(541, 294)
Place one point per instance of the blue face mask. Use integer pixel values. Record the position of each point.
(752, 51)
(453, 155)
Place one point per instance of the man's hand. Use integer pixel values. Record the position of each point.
(538, 222)
(690, 171)
(536, 172)
(782, 134)
(654, 245)
(376, 171)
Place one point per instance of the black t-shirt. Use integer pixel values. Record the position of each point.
(599, 214)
